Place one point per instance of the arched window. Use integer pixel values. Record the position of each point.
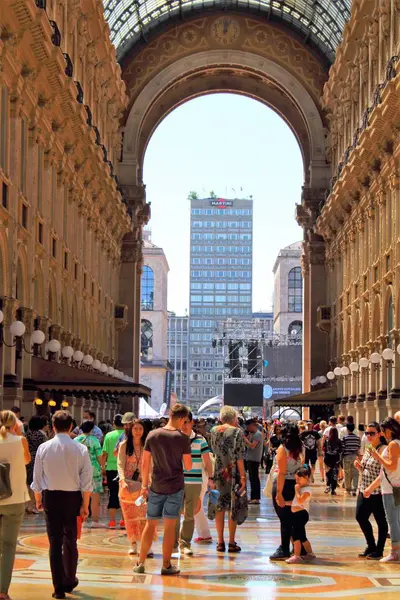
(295, 329)
(146, 340)
(147, 288)
(295, 292)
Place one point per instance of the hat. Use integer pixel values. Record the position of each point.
(128, 417)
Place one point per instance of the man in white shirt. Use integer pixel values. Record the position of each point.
(397, 416)
(62, 482)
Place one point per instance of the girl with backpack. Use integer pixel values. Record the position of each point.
(332, 454)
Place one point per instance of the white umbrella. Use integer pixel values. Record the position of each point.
(216, 401)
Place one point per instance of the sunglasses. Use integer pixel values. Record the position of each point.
(371, 433)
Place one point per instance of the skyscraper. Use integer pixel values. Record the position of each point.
(221, 268)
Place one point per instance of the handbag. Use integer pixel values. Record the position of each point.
(5, 483)
(396, 491)
(267, 491)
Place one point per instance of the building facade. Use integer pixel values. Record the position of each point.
(178, 355)
(359, 221)
(288, 291)
(62, 214)
(154, 368)
(221, 269)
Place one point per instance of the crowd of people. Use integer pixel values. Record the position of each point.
(163, 470)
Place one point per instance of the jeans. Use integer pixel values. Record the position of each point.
(190, 499)
(285, 514)
(393, 517)
(10, 520)
(350, 473)
(331, 477)
(365, 508)
(254, 477)
(61, 510)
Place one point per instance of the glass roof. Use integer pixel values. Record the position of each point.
(321, 22)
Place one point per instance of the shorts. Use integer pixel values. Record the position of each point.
(311, 457)
(97, 483)
(167, 506)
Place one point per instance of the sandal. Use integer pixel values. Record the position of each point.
(234, 547)
(221, 547)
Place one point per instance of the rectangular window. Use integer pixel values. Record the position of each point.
(84, 281)
(66, 261)
(76, 271)
(4, 195)
(40, 233)
(92, 288)
(24, 216)
(23, 156)
(53, 247)
(4, 128)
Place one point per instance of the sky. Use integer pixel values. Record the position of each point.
(225, 143)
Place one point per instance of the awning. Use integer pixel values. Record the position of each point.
(53, 376)
(323, 396)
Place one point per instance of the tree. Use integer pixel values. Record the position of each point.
(193, 195)
(213, 195)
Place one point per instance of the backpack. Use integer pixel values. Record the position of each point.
(5, 483)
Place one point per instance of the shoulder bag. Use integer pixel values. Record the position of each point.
(270, 480)
(396, 490)
(5, 483)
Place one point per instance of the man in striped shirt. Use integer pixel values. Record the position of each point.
(193, 484)
(351, 445)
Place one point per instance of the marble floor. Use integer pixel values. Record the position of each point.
(105, 569)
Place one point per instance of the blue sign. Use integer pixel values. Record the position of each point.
(265, 363)
(267, 391)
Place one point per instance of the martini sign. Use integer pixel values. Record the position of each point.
(221, 203)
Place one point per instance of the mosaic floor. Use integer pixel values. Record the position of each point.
(105, 569)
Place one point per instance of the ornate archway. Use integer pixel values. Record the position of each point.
(240, 53)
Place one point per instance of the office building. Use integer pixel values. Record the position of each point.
(178, 354)
(155, 371)
(221, 244)
(288, 291)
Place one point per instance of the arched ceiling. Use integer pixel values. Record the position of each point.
(321, 22)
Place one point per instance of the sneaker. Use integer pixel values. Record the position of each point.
(112, 525)
(333, 493)
(139, 568)
(294, 560)
(187, 551)
(122, 524)
(374, 556)
(96, 525)
(392, 557)
(171, 570)
(133, 550)
(203, 540)
(327, 490)
(279, 554)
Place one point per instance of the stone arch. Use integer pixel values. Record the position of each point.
(356, 330)
(21, 282)
(376, 319)
(75, 317)
(341, 340)
(38, 290)
(52, 302)
(348, 345)
(64, 310)
(3, 264)
(158, 81)
(365, 326)
(388, 311)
